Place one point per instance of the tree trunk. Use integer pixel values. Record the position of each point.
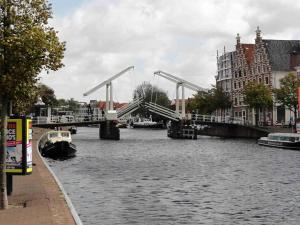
(256, 116)
(264, 114)
(295, 117)
(3, 130)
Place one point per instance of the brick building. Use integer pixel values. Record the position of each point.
(266, 61)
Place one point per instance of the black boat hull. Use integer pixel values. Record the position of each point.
(151, 126)
(61, 149)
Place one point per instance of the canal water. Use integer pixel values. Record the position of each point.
(147, 178)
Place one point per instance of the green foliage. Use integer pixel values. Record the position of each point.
(287, 93)
(47, 95)
(258, 96)
(72, 104)
(208, 102)
(28, 45)
(150, 93)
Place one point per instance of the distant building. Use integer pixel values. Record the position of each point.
(224, 76)
(116, 105)
(225, 70)
(186, 101)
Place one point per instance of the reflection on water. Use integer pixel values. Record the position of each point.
(147, 178)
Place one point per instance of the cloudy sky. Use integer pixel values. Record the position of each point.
(180, 37)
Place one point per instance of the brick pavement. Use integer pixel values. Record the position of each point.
(36, 198)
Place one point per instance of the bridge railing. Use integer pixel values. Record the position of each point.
(131, 107)
(41, 119)
(67, 119)
(163, 111)
(216, 119)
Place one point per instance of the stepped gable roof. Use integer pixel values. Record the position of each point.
(248, 50)
(284, 55)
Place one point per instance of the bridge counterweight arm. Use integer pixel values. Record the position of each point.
(107, 81)
(179, 80)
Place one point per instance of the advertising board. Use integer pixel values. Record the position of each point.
(19, 146)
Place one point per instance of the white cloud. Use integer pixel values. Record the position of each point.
(179, 37)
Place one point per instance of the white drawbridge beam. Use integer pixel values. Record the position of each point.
(183, 83)
(109, 88)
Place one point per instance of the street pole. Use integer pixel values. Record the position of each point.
(4, 112)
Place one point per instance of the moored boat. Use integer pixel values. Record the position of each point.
(146, 123)
(73, 130)
(281, 140)
(57, 144)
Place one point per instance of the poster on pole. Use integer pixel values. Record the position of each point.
(19, 146)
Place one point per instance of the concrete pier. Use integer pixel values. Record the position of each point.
(181, 130)
(108, 130)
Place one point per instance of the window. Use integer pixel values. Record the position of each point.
(259, 80)
(267, 80)
(234, 85)
(239, 84)
(240, 73)
(235, 101)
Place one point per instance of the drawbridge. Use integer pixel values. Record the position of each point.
(162, 111)
(130, 108)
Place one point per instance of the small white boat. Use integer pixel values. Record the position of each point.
(281, 140)
(146, 123)
(57, 144)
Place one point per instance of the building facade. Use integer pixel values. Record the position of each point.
(224, 75)
(266, 61)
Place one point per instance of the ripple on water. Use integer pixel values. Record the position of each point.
(146, 178)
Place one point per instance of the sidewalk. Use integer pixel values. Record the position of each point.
(36, 198)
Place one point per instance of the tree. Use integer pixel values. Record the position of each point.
(208, 102)
(202, 103)
(47, 95)
(28, 45)
(150, 93)
(287, 93)
(220, 99)
(258, 96)
(73, 105)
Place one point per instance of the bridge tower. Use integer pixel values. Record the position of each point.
(180, 83)
(108, 129)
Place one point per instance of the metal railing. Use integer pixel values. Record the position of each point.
(131, 107)
(217, 119)
(163, 111)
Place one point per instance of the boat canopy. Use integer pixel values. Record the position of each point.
(291, 137)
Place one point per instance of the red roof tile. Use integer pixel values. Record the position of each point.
(249, 52)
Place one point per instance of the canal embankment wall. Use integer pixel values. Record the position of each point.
(233, 131)
(38, 198)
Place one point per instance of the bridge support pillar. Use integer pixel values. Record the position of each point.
(181, 130)
(108, 130)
